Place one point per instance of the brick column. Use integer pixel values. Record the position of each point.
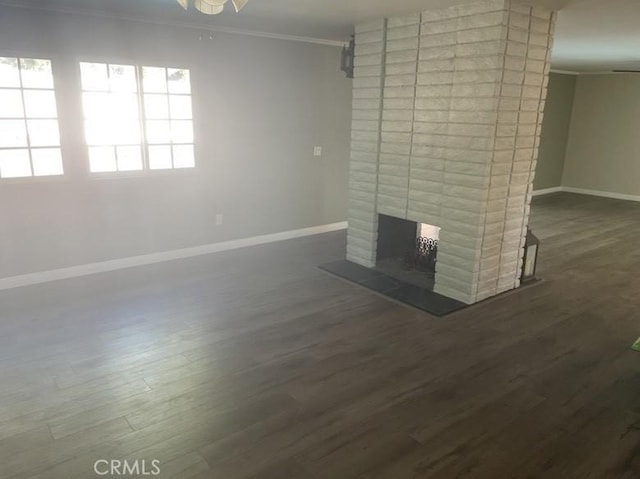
(362, 236)
(458, 125)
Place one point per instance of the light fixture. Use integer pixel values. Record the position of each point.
(212, 7)
(348, 57)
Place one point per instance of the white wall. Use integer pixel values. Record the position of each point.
(603, 153)
(260, 105)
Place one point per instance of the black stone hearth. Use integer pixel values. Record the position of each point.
(394, 288)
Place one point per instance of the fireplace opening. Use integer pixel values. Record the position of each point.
(407, 250)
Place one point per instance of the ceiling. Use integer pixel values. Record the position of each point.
(591, 35)
(598, 35)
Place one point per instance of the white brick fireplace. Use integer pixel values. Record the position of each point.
(447, 108)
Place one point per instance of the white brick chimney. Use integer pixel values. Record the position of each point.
(447, 108)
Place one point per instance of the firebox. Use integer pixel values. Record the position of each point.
(407, 250)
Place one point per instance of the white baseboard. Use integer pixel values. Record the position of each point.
(582, 191)
(547, 191)
(112, 265)
(130, 262)
(603, 194)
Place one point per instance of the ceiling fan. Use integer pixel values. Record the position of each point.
(211, 7)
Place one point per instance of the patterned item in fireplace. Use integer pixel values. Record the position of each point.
(423, 257)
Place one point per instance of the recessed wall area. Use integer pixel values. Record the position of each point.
(603, 153)
(554, 136)
(589, 143)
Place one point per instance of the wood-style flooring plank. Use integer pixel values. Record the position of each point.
(255, 364)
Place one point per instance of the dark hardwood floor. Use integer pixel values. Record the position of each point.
(255, 364)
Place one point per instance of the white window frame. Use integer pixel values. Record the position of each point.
(146, 170)
(23, 55)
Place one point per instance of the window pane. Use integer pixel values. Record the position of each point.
(98, 132)
(112, 125)
(158, 131)
(36, 73)
(47, 161)
(94, 76)
(96, 105)
(154, 80)
(43, 133)
(13, 133)
(179, 81)
(123, 78)
(126, 132)
(159, 157)
(11, 104)
(102, 159)
(40, 103)
(183, 156)
(129, 158)
(14, 163)
(124, 105)
(180, 107)
(182, 131)
(9, 73)
(156, 107)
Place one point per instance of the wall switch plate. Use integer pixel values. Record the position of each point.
(317, 151)
(219, 219)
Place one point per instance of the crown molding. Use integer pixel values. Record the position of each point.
(173, 23)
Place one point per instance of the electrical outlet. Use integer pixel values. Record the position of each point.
(317, 151)
(219, 219)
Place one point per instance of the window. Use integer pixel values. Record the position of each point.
(111, 117)
(29, 135)
(168, 117)
(137, 118)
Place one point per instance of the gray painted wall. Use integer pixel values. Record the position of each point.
(260, 106)
(604, 140)
(555, 131)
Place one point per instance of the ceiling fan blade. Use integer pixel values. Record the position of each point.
(206, 7)
(184, 3)
(239, 4)
(626, 71)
